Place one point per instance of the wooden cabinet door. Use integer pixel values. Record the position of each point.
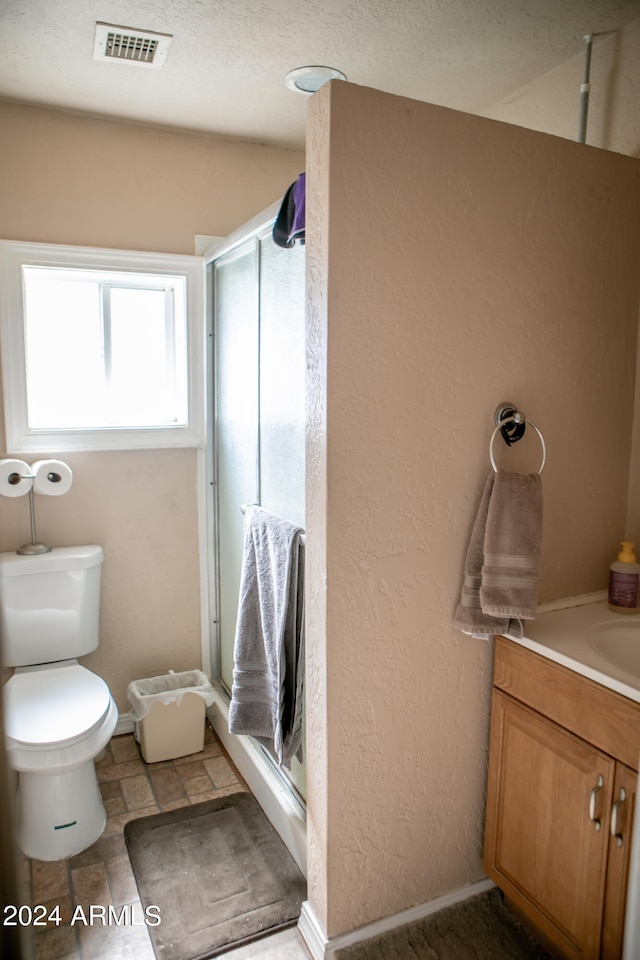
(620, 825)
(548, 801)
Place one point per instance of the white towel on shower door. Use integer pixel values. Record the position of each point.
(266, 696)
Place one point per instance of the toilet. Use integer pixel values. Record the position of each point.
(59, 716)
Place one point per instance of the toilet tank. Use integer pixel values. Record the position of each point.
(49, 605)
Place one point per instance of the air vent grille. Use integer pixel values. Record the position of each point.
(123, 46)
(140, 48)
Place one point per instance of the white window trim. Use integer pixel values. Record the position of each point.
(21, 439)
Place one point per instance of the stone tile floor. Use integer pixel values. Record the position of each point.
(102, 875)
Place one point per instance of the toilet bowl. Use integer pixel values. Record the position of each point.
(59, 716)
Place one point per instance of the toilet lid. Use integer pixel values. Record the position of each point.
(54, 705)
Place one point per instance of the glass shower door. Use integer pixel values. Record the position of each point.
(237, 428)
(260, 409)
(282, 380)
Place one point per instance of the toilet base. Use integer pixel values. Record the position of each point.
(59, 814)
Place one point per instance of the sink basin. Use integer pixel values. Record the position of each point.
(618, 642)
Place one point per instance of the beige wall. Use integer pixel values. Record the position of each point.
(454, 262)
(82, 180)
(77, 180)
(551, 103)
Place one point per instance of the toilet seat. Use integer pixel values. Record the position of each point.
(55, 706)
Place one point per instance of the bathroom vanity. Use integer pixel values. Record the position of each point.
(563, 777)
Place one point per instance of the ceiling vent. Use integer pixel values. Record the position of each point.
(140, 48)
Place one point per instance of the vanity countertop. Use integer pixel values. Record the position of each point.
(567, 635)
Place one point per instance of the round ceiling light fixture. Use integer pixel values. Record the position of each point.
(309, 79)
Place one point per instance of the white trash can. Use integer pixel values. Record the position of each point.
(169, 714)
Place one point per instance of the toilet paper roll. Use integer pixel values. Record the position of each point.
(10, 472)
(51, 477)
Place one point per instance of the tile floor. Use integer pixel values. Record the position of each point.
(102, 875)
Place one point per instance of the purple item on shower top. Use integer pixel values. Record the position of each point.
(299, 190)
(290, 222)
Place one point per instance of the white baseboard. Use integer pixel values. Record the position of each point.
(312, 933)
(322, 948)
(124, 724)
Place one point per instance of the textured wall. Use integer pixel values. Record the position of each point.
(316, 645)
(69, 179)
(455, 262)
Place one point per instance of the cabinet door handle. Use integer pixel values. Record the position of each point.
(622, 796)
(592, 802)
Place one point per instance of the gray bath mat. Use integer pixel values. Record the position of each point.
(480, 928)
(218, 873)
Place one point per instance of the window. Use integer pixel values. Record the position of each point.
(101, 349)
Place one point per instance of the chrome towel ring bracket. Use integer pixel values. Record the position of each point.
(511, 423)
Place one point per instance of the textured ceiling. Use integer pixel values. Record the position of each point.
(225, 67)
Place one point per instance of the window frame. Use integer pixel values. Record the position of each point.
(20, 438)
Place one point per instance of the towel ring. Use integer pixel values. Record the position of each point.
(517, 418)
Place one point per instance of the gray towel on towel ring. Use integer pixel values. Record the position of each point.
(500, 585)
(266, 696)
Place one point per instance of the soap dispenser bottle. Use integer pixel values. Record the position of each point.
(624, 581)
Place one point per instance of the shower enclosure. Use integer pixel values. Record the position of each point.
(257, 293)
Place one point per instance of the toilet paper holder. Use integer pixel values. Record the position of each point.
(49, 477)
(52, 477)
(35, 547)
